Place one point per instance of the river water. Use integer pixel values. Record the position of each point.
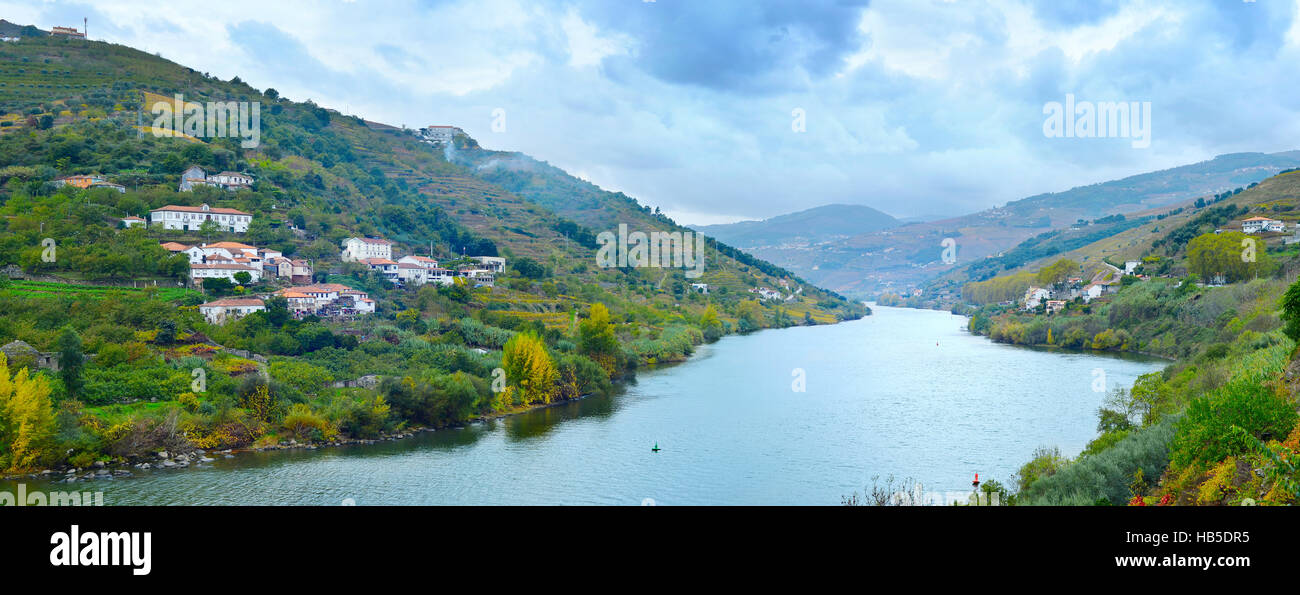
(902, 392)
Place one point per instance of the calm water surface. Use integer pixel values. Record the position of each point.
(903, 392)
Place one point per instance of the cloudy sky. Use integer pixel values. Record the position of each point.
(723, 110)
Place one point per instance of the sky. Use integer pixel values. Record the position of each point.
(717, 111)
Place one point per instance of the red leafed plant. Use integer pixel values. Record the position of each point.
(1137, 501)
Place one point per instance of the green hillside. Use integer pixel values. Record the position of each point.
(1219, 425)
(557, 323)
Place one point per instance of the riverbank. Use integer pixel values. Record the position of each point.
(192, 457)
(793, 416)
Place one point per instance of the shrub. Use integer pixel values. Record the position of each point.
(1223, 423)
(1105, 475)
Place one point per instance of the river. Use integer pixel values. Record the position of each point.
(902, 392)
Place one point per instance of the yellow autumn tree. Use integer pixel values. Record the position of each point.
(710, 323)
(529, 369)
(597, 341)
(27, 424)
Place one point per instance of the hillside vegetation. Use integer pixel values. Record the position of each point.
(1219, 424)
(142, 370)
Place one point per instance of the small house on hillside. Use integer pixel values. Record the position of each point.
(1262, 224)
(230, 308)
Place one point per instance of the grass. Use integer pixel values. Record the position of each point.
(45, 289)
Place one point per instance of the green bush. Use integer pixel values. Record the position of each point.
(1106, 474)
(1222, 423)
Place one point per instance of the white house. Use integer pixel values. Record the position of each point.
(479, 277)
(1261, 224)
(223, 270)
(700, 287)
(195, 176)
(412, 274)
(190, 218)
(1093, 291)
(495, 264)
(132, 221)
(441, 276)
(362, 248)
(387, 268)
(230, 308)
(229, 250)
(1035, 296)
(440, 134)
(421, 261)
(1054, 306)
(231, 180)
(1130, 266)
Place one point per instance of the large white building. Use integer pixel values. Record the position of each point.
(191, 218)
(362, 248)
(230, 308)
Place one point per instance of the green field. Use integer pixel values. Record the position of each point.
(44, 289)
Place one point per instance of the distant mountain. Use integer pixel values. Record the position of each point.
(911, 254)
(817, 224)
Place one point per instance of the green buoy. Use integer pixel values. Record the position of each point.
(656, 448)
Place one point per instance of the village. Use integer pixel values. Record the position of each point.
(268, 273)
(1054, 298)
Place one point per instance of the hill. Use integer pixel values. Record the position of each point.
(909, 256)
(818, 224)
(558, 323)
(1219, 424)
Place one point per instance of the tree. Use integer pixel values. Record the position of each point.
(1057, 271)
(750, 314)
(209, 227)
(277, 311)
(529, 368)
(217, 286)
(71, 360)
(529, 268)
(713, 327)
(1234, 255)
(166, 333)
(596, 339)
(1290, 305)
(27, 426)
(243, 277)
